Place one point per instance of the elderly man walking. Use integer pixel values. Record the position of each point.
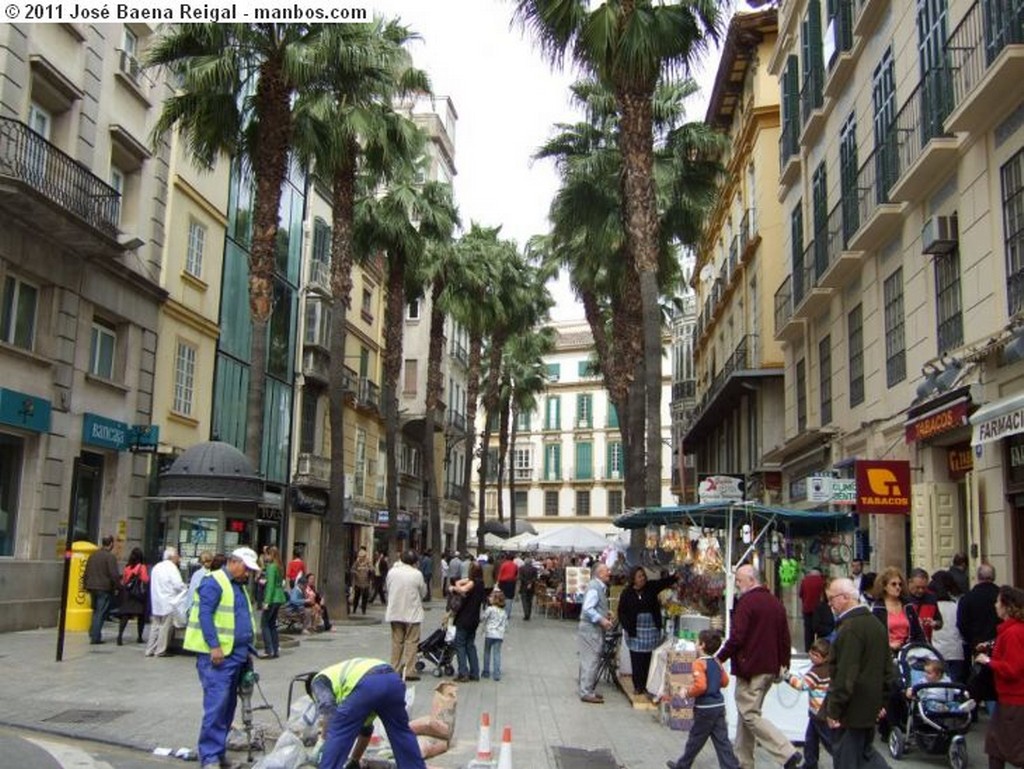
(594, 620)
(406, 590)
(759, 647)
(860, 672)
(166, 587)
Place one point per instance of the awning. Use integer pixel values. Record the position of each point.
(998, 420)
(718, 515)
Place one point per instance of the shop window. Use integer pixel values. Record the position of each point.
(11, 453)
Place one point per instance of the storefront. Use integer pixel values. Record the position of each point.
(23, 419)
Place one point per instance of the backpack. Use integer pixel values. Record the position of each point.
(135, 588)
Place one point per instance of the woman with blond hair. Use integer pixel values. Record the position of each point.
(273, 598)
(893, 609)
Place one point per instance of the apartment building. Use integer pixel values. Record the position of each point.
(737, 417)
(436, 115)
(900, 176)
(83, 200)
(567, 458)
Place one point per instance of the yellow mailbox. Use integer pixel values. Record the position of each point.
(79, 608)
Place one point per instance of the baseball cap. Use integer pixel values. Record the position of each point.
(247, 556)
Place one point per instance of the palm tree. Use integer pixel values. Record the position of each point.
(527, 378)
(628, 45)
(237, 86)
(356, 140)
(405, 222)
(588, 237)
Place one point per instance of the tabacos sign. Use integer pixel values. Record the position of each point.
(883, 486)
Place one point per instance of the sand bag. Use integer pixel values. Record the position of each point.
(431, 746)
(288, 753)
(442, 708)
(428, 726)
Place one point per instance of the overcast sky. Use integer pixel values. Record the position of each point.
(507, 98)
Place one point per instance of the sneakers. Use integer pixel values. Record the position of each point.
(670, 764)
(793, 761)
(596, 699)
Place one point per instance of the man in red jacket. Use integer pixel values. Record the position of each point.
(812, 591)
(759, 647)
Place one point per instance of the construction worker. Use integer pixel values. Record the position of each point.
(221, 629)
(349, 696)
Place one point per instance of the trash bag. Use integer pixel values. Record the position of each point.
(431, 746)
(288, 753)
(302, 720)
(443, 706)
(179, 610)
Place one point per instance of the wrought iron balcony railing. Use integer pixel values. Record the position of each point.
(921, 117)
(783, 303)
(812, 93)
(29, 158)
(987, 28)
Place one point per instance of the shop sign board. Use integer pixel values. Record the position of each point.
(105, 433)
(720, 488)
(24, 411)
(999, 427)
(883, 486)
(836, 491)
(844, 491)
(959, 461)
(937, 422)
(819, 488)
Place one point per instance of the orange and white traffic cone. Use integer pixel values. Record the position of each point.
(505, 756)
(378, 734)
(484, 756)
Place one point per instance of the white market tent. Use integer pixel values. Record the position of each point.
(519, 541)
(569, 539)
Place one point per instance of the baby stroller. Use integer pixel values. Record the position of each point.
(935, 717)
(436, 651)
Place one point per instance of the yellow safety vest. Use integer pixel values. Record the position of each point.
(223, 618)
(345, 675)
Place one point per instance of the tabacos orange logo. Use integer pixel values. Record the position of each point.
(883, 486)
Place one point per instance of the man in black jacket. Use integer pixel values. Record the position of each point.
(860, 673)
(976, 612)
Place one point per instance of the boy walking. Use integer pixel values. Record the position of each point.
(709, 678)
(815, 683)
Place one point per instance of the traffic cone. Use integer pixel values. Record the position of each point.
(484, 756)
(505, 756)
(377, 737)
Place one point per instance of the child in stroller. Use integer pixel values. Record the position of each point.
(437, 651)
(930, 711)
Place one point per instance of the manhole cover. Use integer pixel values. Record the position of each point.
(86, 716)
(577, 758)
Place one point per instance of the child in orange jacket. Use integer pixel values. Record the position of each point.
(709, 678)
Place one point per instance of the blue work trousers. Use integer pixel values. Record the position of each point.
(220, 695)
(381, 693)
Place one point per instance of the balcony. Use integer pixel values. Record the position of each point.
(843, 263)
(313, 470)
(320, 276)
(457, 421)
(750, 237)
(986, 56)
(316, 365)
(814, 107)
(368, 395)
(453, 490)
(460, 353)
(43, 185)
(879, 219)
(684, 390)
(789, 153)
(812, 299)
(845, 49)
(869, 13)
(925, 154)
(734, 258)
(349, 381)
(787, 328)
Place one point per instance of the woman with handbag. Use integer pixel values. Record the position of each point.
(273, 600)
(1004, 740)
(134, 595)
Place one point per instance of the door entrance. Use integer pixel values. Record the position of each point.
(86, 495)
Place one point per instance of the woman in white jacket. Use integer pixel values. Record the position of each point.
(947, 640)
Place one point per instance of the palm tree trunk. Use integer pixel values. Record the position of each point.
(472, 398)
(337, 542)
(485, 441)
(433, 402)
(512, 472)
(273, 101)
(503, 430)
(393, 341)
(641, 224)
(490, 404)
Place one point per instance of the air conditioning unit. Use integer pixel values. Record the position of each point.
(940, 235)
(130, 66)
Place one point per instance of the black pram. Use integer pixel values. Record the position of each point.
(936, 715)
(435, 651)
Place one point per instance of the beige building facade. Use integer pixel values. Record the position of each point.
(83, 208)
(736, 418)
(899, 178)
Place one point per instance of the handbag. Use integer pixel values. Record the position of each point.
(980, 683)
(136, 588)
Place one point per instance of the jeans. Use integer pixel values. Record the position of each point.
(268, 626)
(818, 734)
(380, 693)
(220, 695)
(465, 652)
(102, 600)
(492, 646)
(708, 723)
